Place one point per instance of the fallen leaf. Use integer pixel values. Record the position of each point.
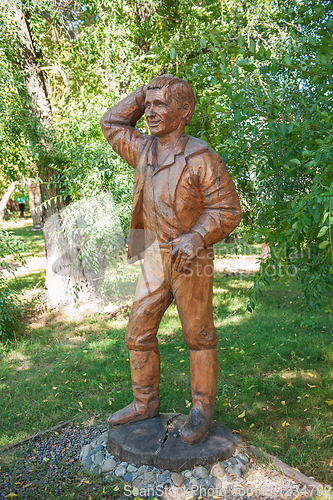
(116, 488)
(104, 490)
(241, 415)
(80, 404)
(283, 403)
(250, 387)
(11, 495)
(62, 371)
(329, 402)
(67, 382)
(311, 386)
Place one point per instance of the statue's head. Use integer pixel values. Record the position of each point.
(169, 104)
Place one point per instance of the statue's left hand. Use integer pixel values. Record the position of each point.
(185, 248)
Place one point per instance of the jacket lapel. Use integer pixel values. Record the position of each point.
(176, 161)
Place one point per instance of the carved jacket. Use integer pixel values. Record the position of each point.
(204, 195)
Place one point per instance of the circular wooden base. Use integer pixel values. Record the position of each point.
(157, 442)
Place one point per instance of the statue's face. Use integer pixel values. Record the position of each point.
(163, 116)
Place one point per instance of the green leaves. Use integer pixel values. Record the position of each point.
(287, 60)
(322, 231)
(173, 53)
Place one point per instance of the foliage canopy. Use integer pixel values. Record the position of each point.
(262, 74)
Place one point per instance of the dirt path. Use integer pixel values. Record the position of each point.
(242, 264)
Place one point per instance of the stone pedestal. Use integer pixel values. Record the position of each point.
(157, 442)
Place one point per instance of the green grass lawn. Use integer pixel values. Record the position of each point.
(275, 386)
(34, 240)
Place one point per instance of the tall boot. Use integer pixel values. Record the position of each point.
(145, 374)
(204, 372)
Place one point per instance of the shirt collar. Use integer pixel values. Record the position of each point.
(171, 158)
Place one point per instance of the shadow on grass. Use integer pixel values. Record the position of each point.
(275, 373)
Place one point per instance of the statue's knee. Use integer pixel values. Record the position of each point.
(203, 339)
(140, 342)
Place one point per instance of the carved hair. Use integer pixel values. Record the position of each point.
(178, 89)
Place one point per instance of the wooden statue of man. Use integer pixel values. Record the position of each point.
(185, 197)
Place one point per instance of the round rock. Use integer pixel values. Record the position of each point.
(216, 482)
(177, 479)
(157, 442)
(200, 472)
(217, 470)
(99, 458)
(109, 465)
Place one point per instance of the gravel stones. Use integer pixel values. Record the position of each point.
(87, 463)
(98, 458)
(142, 470)
(103, 439)
(163, 478)
(242, 458)
(84, 452)
(149, 478)
(145, 477)
(216, 483)
(63, 454)
(120, 471)
(51, 458)
(136, 482)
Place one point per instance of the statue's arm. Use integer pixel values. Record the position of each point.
(118, 126)
(222, 212)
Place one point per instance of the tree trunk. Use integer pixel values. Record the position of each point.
(64, 281)
(5, 199)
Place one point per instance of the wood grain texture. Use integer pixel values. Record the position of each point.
(157, 442)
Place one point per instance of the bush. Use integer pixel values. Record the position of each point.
(9, 301)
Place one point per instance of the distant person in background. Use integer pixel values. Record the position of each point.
(21, 201)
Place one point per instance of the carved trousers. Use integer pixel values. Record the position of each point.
(158, 285)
